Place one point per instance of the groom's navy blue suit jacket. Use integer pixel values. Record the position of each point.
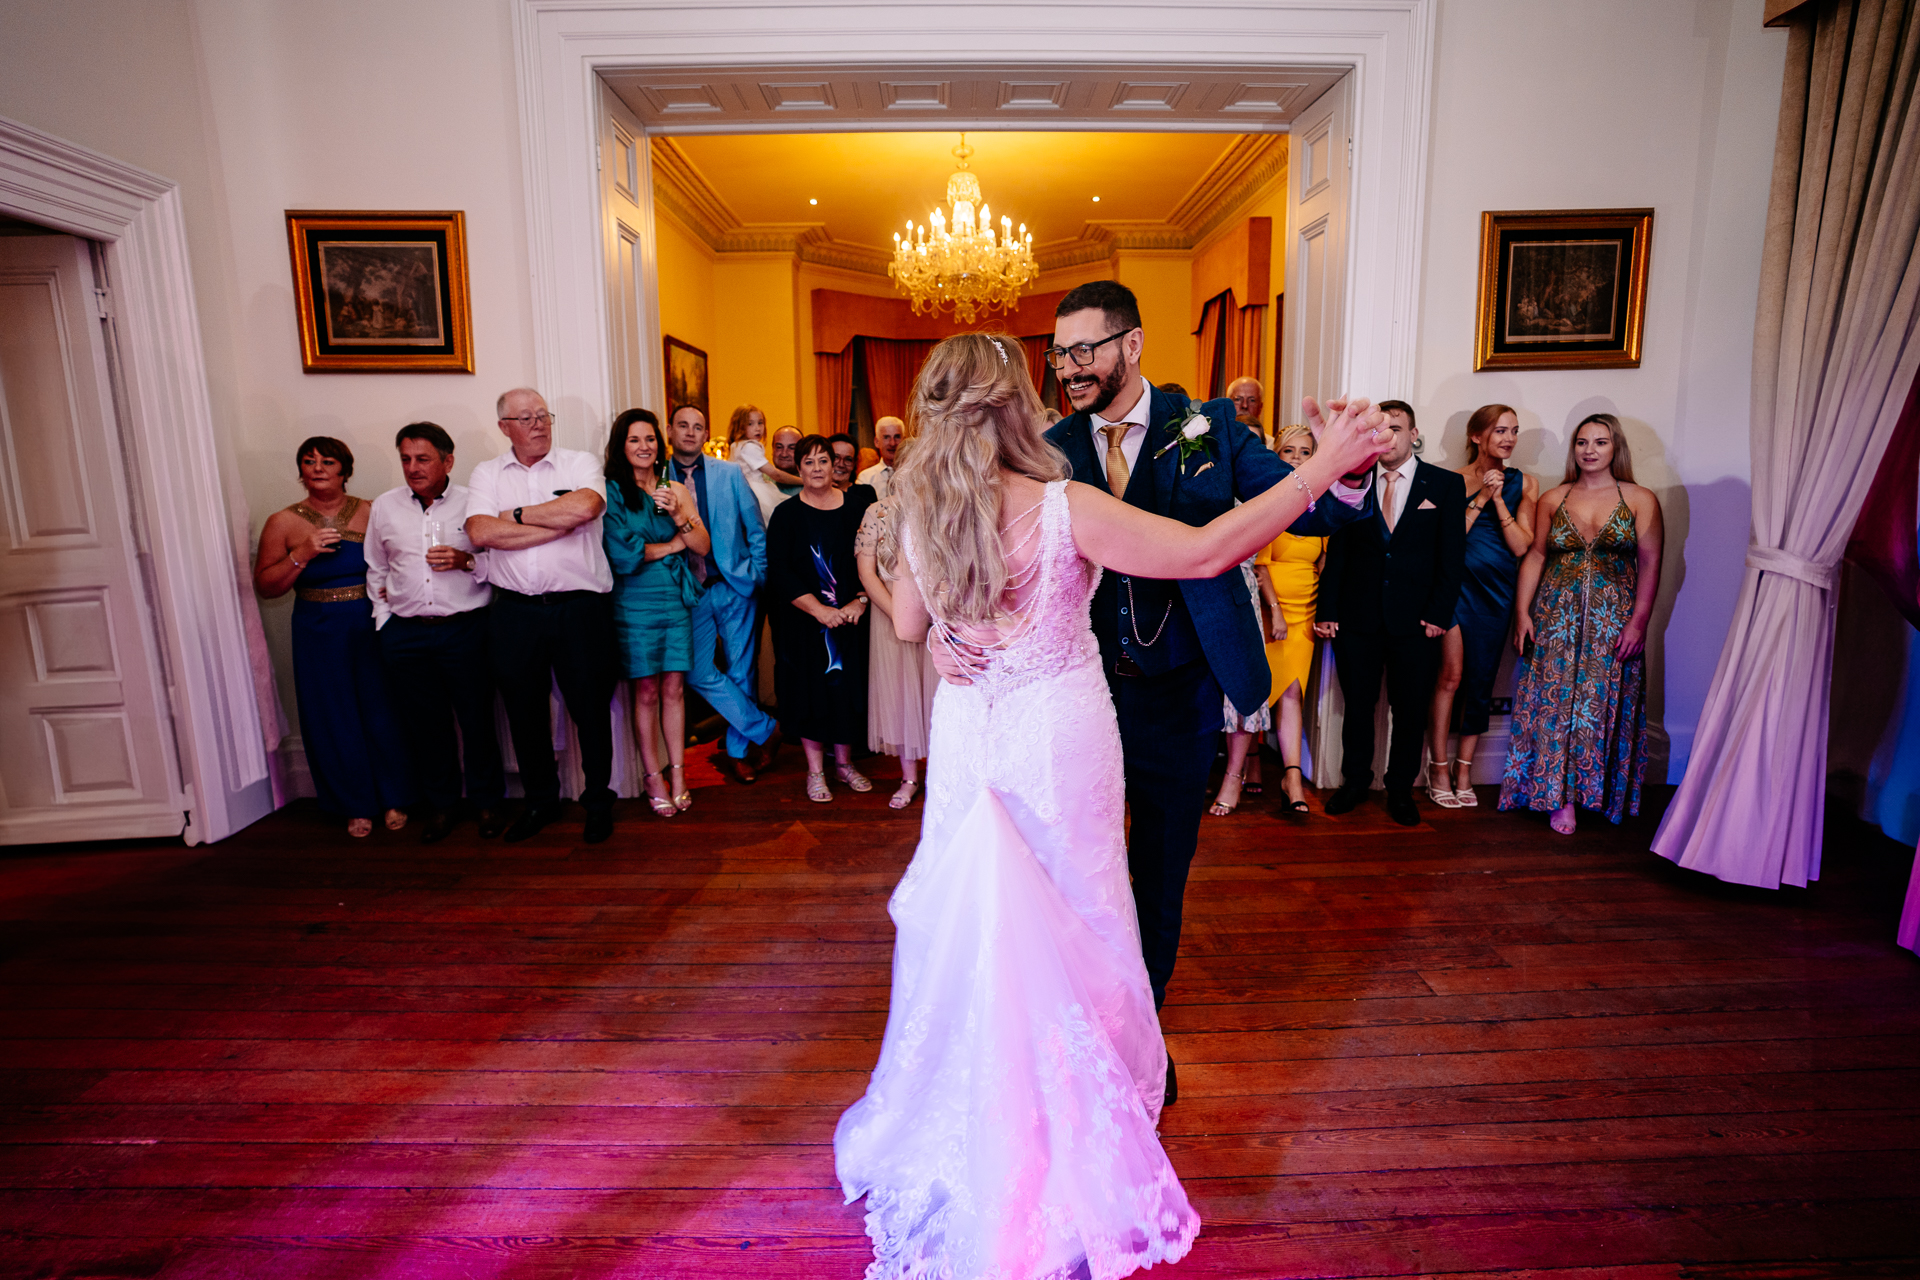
(1192, 492)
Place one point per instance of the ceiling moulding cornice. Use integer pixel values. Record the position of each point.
(1249, 163)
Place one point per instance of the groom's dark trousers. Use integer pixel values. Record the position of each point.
(1173, 650)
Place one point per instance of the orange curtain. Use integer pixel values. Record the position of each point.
(1248, 330)
(833, 388)
(1214, 346)
(892, 365)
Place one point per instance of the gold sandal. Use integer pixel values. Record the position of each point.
(853, 778)
(904, 796)
(817, 790)
(662, 806)
(683, 798)
(1219, 808)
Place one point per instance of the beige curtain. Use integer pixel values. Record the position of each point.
(1835, 349)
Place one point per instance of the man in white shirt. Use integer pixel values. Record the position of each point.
(536, 510)
(430, 596)
(887, 435)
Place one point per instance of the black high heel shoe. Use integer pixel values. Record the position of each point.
(1296, 806)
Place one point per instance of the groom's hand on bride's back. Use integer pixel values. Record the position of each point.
(956, 662)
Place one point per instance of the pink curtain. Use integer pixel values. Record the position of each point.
(833, 388)
(1836, 349)
(1036, 353)
(892, 365)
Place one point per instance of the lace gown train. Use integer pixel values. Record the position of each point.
(1008, 1130)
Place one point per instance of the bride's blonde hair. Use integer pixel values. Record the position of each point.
(972, 413)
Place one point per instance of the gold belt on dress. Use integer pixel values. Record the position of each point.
(332, 595)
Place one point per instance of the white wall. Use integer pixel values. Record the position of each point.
(1575, 104)
(259, 106)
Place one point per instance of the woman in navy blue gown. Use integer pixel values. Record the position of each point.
(316, 549)
(1499, 531)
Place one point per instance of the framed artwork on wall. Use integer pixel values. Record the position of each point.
(381, 292)
(686, 368)
(1563, 289)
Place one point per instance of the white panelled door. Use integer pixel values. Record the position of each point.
(1319, 184)
(86, 740)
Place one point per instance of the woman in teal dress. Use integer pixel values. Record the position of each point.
(317, 549)
(651, 523)
(1581, 607)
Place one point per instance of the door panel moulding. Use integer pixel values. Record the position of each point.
(137, 217)
(687, 55)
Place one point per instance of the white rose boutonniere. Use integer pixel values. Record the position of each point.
(1192, 435)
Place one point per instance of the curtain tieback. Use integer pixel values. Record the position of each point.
(1786, 564)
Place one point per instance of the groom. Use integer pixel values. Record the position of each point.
(1170, 649)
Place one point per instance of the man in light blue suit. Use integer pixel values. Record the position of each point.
(730, 575)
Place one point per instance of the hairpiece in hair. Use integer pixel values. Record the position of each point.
(997, 347)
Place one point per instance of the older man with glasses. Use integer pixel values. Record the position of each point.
(536, 509)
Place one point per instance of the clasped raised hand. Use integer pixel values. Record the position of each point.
(1354, 438)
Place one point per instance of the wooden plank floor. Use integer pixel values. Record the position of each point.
(1467, 1049)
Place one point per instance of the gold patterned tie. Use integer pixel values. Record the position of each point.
(1386, 497)
(1117, 473)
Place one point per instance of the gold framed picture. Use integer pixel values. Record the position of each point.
(381, 292)
(686, 367)
(1562, 289)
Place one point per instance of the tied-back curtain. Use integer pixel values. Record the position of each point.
(833, 386)
(892, 365)
(1213, 345)
(1036, 352)
(1835, 351)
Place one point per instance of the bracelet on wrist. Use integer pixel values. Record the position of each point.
(1305, 488)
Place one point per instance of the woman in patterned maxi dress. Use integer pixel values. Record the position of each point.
(1585, 593)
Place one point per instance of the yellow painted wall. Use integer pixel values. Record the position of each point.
(755, 354)
(1162, 280)
(686, 272)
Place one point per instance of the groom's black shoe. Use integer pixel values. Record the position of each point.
(1173, 1085)
(1345, 799)
(1401, 809)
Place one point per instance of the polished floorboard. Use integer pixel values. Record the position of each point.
(1467, 1049)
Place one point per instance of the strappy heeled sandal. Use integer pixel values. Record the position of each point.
(1464, 797)
(1296, 806)
(852, 778)
(1441, 795)
(683, 798)
(904, 796)
(1220, 808)
(817, 790)
(661, 805)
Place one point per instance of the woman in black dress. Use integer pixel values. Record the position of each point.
(819, 616)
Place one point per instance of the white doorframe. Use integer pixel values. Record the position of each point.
(561, 45)
(137, 216)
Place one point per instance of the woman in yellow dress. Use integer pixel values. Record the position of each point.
(1293, 570)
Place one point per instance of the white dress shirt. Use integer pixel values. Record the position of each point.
(1136, 420)
(1402, 485)
(880, 476)
(575, 562)
(399, 531)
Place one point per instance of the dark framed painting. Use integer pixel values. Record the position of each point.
(686, 376)
(1563, 289)
(381, 292)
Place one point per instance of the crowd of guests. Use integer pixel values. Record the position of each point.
(658, 562)
(1423, 599)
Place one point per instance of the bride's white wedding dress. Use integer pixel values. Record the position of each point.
(1008, 1130)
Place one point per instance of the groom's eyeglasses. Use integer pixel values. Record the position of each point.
(1080, 352)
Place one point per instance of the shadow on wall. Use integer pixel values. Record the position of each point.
(1704, 550)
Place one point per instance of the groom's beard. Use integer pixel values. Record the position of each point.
(1106, 389)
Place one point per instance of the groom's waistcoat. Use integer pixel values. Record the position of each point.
(1143, 619)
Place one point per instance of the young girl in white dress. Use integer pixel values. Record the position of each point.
(1008, 1129)
(747, 447)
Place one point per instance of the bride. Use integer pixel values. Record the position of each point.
(1008, 1130)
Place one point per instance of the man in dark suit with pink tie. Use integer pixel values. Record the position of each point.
(1386, 597)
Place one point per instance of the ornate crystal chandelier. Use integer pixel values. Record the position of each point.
(965, 266)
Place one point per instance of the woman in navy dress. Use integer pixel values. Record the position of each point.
(317, 550)
(650, 524)
(1499, 531)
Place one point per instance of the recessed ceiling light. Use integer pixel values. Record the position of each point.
(1096, 199)
(817, 202)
